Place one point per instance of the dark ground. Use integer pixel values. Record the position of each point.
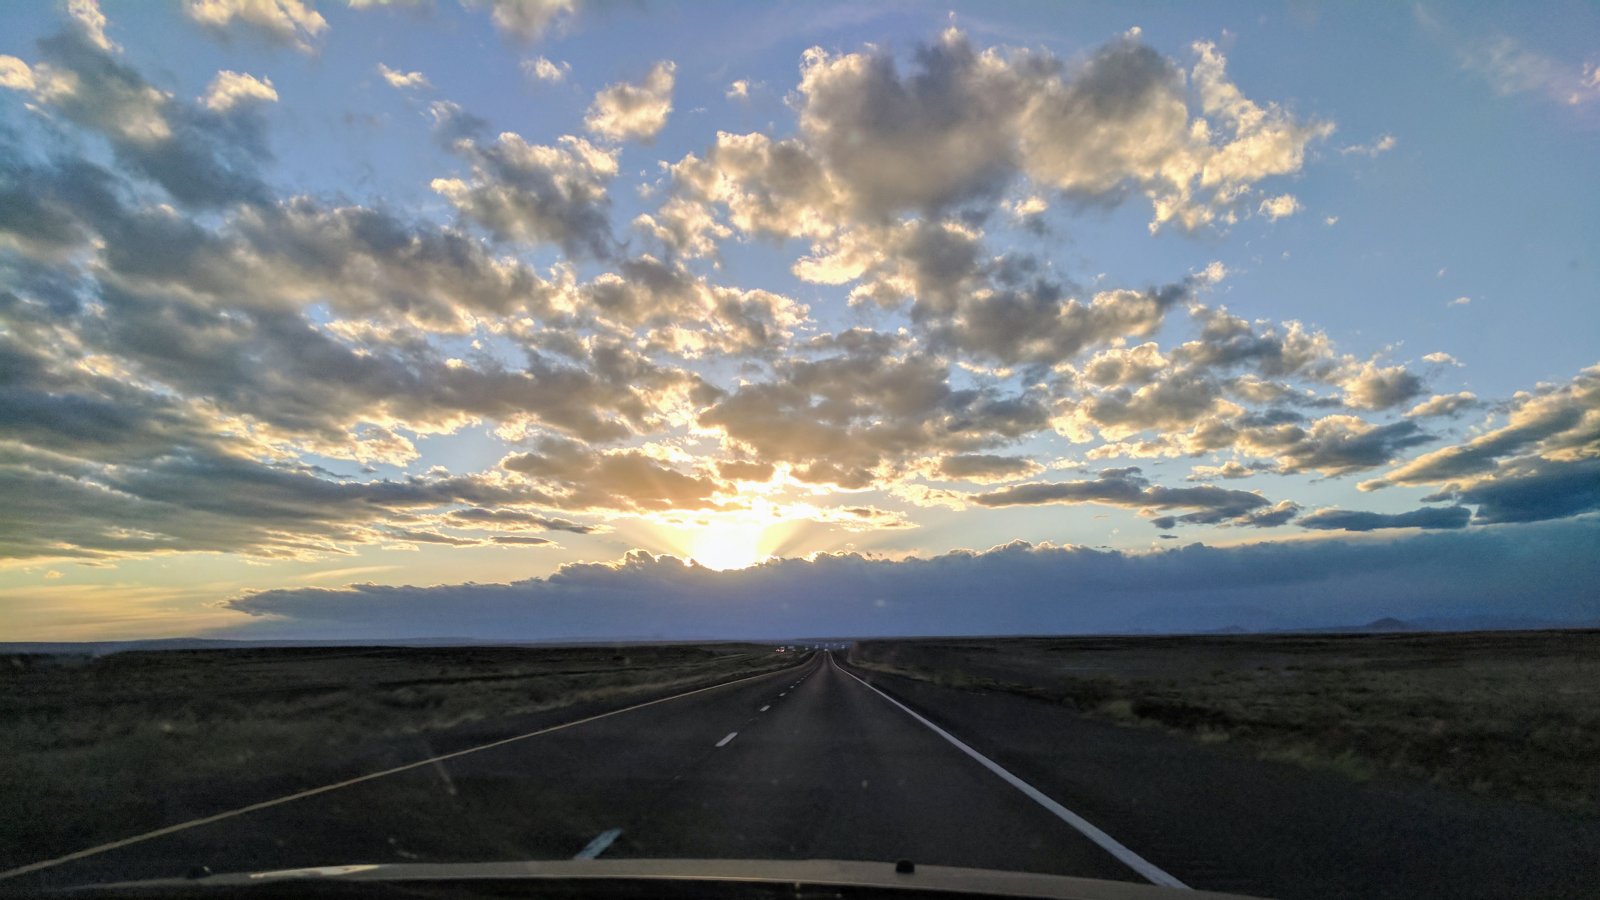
(831, 770)
(1514, 715)
(97, 748)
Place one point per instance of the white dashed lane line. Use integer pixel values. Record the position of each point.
(724, 741)
(767, 707)
(598, 846)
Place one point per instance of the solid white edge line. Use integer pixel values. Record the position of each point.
(601, 842)
(265, 804)
(1153, 873)
(724, 741)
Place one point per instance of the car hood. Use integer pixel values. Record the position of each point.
(668, 877)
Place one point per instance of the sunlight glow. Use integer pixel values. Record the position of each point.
(727, 545)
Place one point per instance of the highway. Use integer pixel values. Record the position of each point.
(812, 762)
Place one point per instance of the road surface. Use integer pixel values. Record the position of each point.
(813, 762)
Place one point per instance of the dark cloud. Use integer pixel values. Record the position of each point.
(578, 477)
(203, 158)
(478, 517)
(1354, 520)
(1533, 490)
(1543, 571)
(522, 192)
(1334, 445)
(1557, 421)
(206, 501)
(986, 466)
(867, 406)
(1128, 488)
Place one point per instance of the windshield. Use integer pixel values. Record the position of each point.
(1149, 443)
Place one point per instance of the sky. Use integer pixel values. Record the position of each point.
(556, 320)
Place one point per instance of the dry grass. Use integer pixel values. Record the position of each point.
(97, 748)
(1513, 715)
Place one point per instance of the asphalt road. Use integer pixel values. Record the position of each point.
(811, 762)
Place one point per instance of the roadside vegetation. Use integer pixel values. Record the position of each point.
(97, 748)
(1505, 714)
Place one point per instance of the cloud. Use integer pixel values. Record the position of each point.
(983, 467)
(662, 299)
(1512, 68)
(1555, 423)
(522, 192)
(1230, 470)
(1352, 520)
(1128, 488)
(1533, 490)
(1460, 301)
(541, 69)
(1541, 571)
(1280, 207)
(230, 89)
(201, 157)
(1380, 387)
(197, 500)
(1382, 145)
(403, 80)
(965, 123)
(860, 407)
(1444, 405)
(513, 519)
(88, 17)
(287, 22)
(738, 90)
(527, 20)
(1333, 445)
(577, 477)
(634, 112)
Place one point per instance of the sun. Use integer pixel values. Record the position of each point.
(727, 545)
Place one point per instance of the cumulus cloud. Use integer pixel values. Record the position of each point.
(964, 123)
(524, 192)
(1542, 463)
(403, 80)
(1546, 572)
(230, 89)
(862, 406)
(1353, 520)
(527, 20)
(634, 112)
(578, 477)
(89, 18)
(1532, 490)
(541, 69)
(1333, 445)
(1383, 144)
(983, 467)
(1129, 488)
(1444, 405)
(1280, 207)
(201, 156)
(1555, 423)
(1229, 470)
(288, 22)
(1380, 387)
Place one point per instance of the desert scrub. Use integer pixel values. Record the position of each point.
(1507, 714)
